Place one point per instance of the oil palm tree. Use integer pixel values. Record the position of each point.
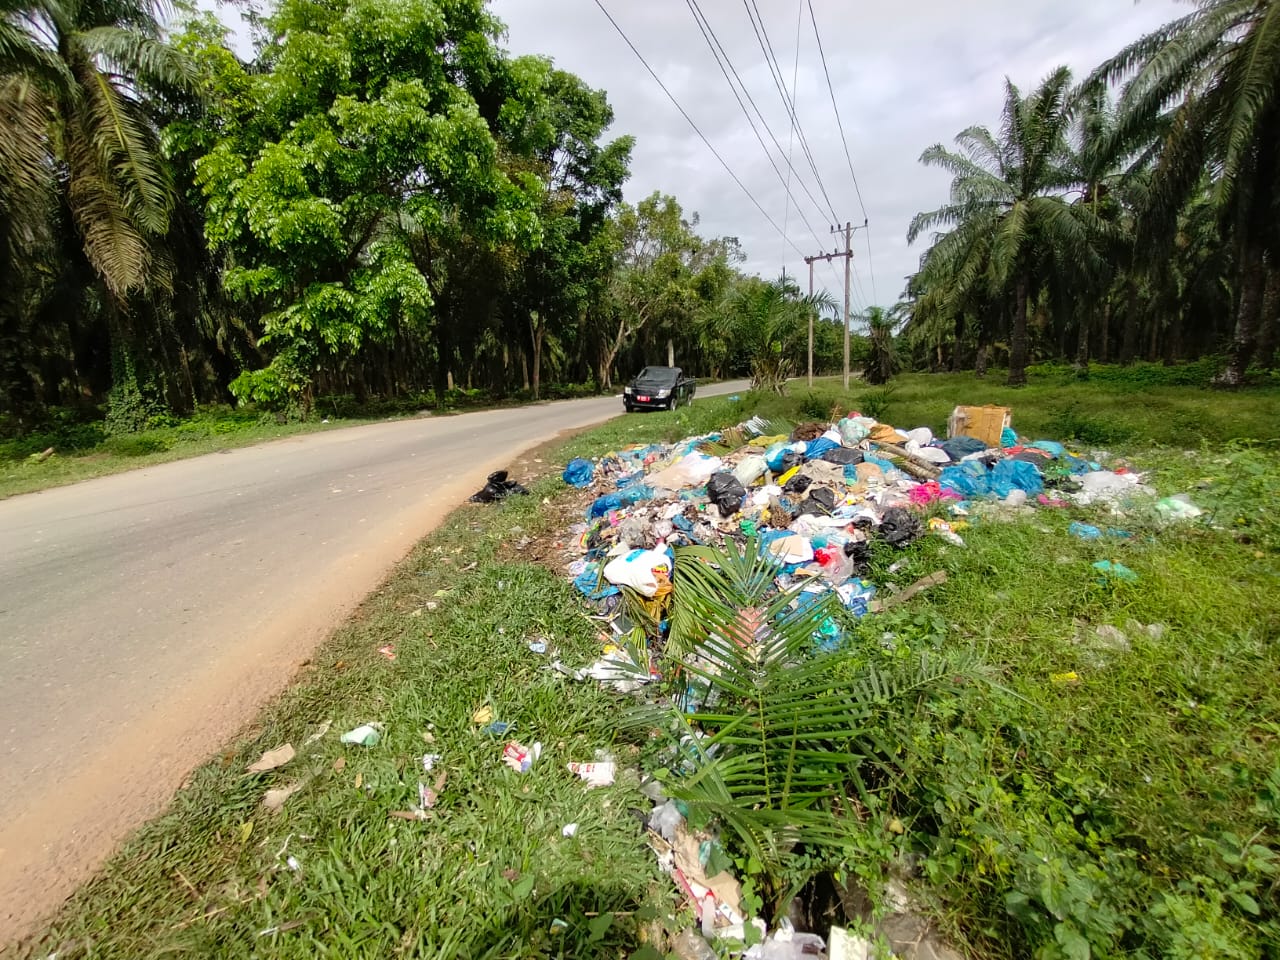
(1218, 67)
(766, 322)
(1008, 192)
(77, 74)
(883, 359)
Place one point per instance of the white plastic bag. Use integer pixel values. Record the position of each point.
(636, 570)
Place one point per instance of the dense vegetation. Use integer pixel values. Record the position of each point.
(381, 204)
(1130, 215)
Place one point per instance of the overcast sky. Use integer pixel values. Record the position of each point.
(906, 75)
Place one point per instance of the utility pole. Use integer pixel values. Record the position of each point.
(847, 254)
(848, 260)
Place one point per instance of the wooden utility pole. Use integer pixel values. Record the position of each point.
(847, 254)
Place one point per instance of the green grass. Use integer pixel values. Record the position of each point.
(1118, 806)
(1115, 406)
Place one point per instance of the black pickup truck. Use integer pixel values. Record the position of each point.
(658, 388)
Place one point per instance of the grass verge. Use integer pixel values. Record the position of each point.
(1110, 792)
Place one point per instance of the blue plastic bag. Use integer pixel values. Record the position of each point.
(1008, 438)
(1051, 447)
(592, 585)
(1010, 475)
(773, 456)
(578, 472)
(1085, 531)
(816, 448)
(969, 479)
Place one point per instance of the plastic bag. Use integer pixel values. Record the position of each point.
(820, 502)
(960, 447)
(726, 492)
(639, 570)
(853, 430)
(750, 470)
(816, 448)
(578, 472)
(797, 485)
(632, 493)
(898, 527)
(842, 455)
(1010, 475)
(692, 470)
(969, 480)
(589, 584)
(497, 487)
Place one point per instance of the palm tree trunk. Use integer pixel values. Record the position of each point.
(959, 335)
(1018, 342)
(1129, 342)
(1269, 330)
(1104, 345)
(1253, 281)
(1082, 341)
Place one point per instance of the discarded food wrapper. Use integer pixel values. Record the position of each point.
(272, 759)
(537, 646)
(519, 757)
(482, 715)
(1070, 676)
(388, 650)
(365, 735)
(497, 728)
(598, 774)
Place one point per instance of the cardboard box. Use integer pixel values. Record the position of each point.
(981, 423)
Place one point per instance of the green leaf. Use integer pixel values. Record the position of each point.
(598, 926)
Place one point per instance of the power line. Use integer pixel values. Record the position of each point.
(762, 38)
(709, 35)
(795, 72)
(844, 141)
(702, 18)
(729, 170)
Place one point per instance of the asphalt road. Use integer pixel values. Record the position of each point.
(146, 616)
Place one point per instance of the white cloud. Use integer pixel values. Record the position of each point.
(906, 75)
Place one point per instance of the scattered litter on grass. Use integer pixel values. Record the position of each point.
(569, 830)
(519, 757)
(388, 650)
(429, 760)
(319, 733)
(815, 500)
(497, 728)
(275, 799)
(482, 715)
(537, 646)
(365, 735)
(1114, 570)
(498, 487)
(272, 759)
(599, 774)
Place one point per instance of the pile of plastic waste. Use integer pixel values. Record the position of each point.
(815, 497)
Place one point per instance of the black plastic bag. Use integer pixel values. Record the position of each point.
(791, 459)
(842, 455)
(497, 488)
(820, 502)
(898, 527)
(797, 484)
(957, 448)
(726, 493)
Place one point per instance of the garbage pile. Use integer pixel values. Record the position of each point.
(814, 497)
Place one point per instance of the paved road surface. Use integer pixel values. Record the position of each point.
(145, 616)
